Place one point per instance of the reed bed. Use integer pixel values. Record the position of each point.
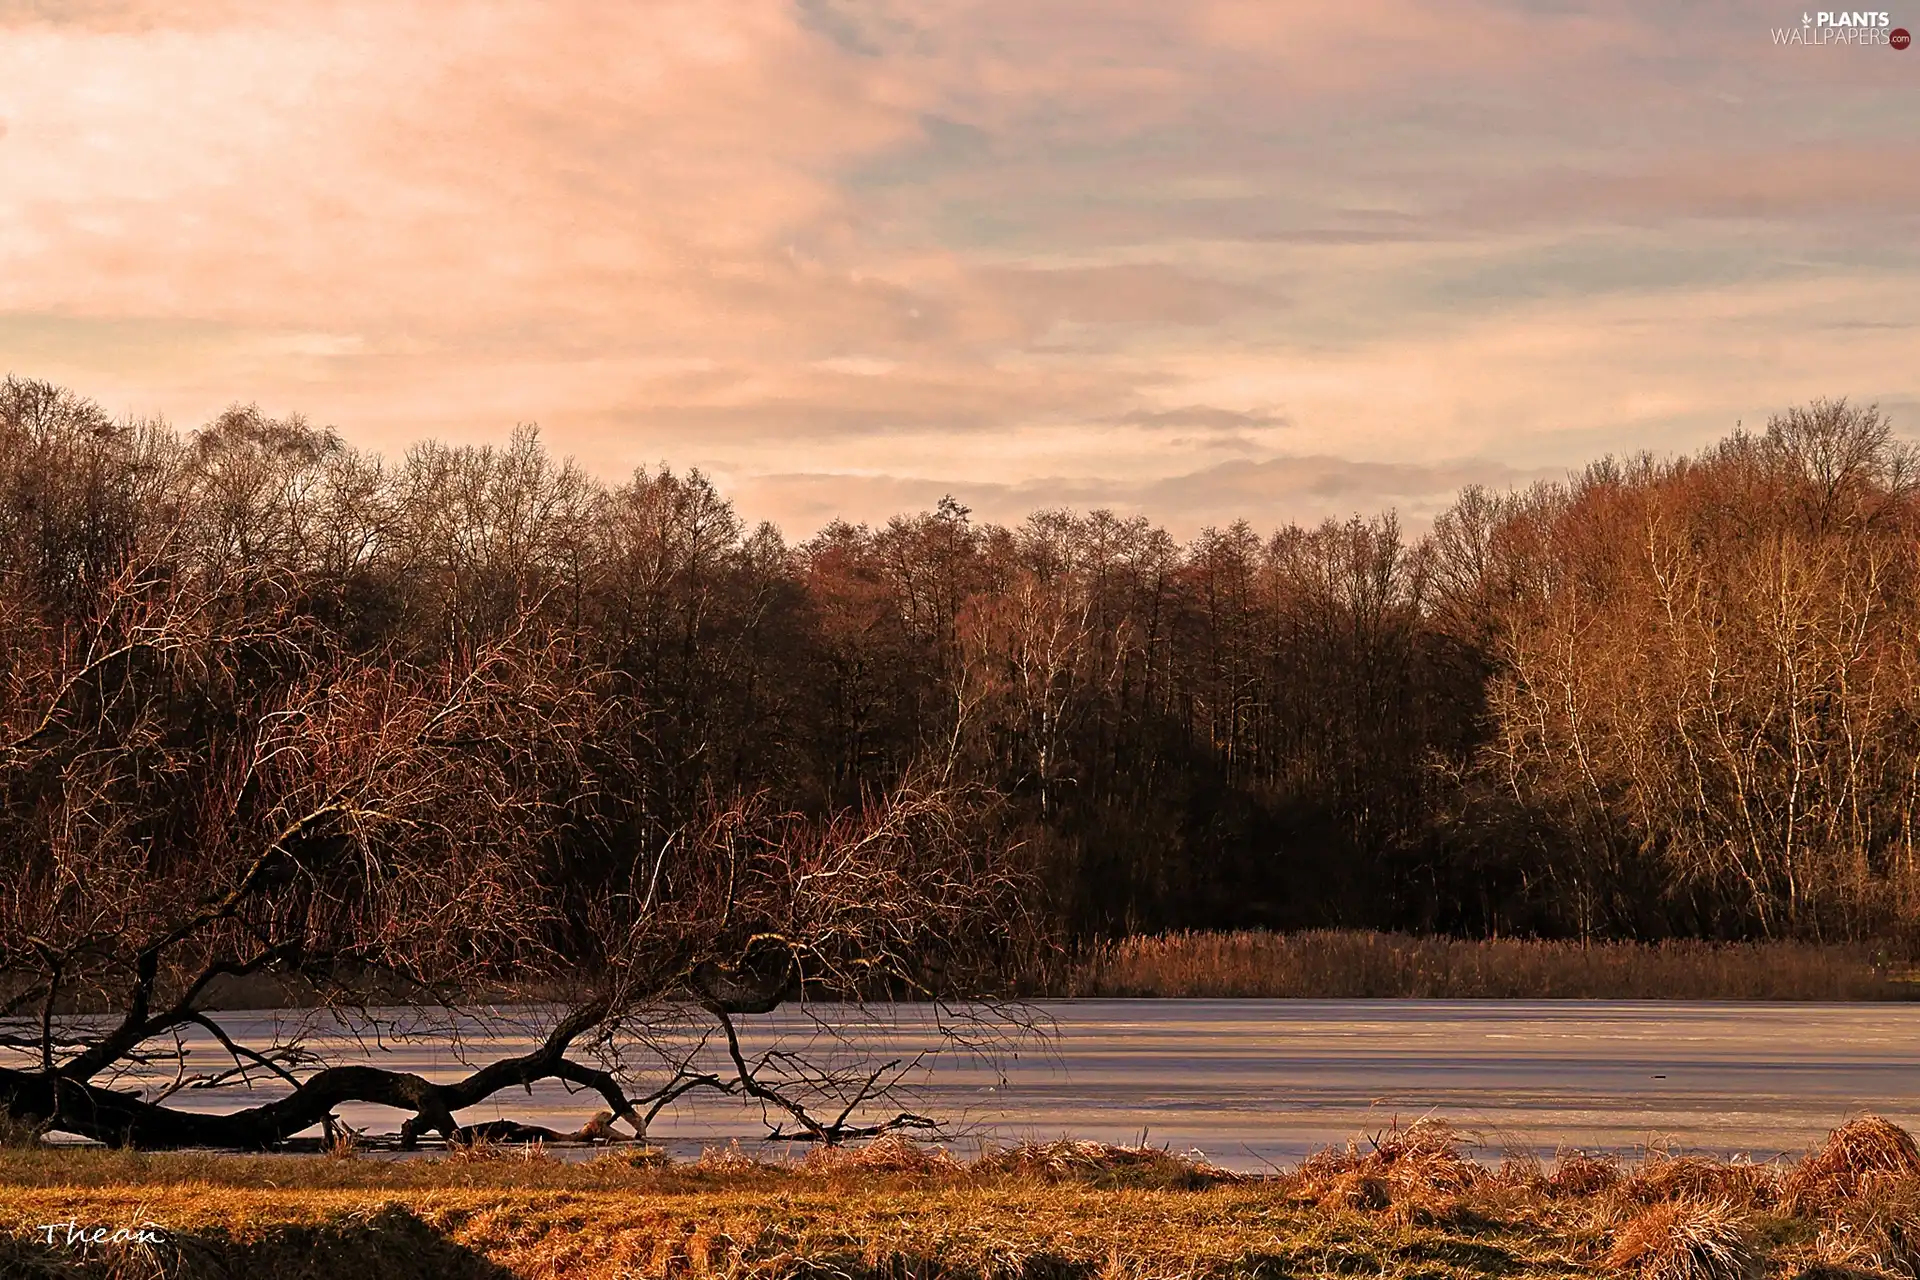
(1345, 964)
(1404, 1202)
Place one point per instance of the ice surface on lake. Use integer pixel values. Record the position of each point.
(1254, 1083)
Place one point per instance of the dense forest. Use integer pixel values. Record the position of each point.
(1663, 697)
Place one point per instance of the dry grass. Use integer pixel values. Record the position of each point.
(1861, 1150)
(1664, 1179)
(482, 1150)
(1422, 1159)
(1875, 1231)
(1405, 1202)
(816, 1227)
(1339, 964)
(891, 1154)
(344, 1145)
(1100, 1165)
(1685, 1239)
(1578, 1174)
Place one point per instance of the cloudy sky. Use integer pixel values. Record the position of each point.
(1204, 259)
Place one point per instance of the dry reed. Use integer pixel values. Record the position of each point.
(1347, 964)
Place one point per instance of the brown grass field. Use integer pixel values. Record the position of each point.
(1404, 1203)
(1351, 964)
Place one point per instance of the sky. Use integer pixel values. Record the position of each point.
(1201, 260)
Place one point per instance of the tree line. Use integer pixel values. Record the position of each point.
(1662, 697)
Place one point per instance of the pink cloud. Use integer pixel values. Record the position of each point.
(1778, 181)
(1041, 247)
(410, 165)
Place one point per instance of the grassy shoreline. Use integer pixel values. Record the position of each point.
(1352, 964)
(1405, 1203)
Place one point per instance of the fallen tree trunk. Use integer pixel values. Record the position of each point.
(118, 1118)
(64, 1099)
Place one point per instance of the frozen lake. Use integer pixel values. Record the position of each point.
(1254, 1083)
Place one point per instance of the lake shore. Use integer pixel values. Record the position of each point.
(1402, 1203)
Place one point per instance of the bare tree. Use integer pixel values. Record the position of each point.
(197, 792)
(1709, 684)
